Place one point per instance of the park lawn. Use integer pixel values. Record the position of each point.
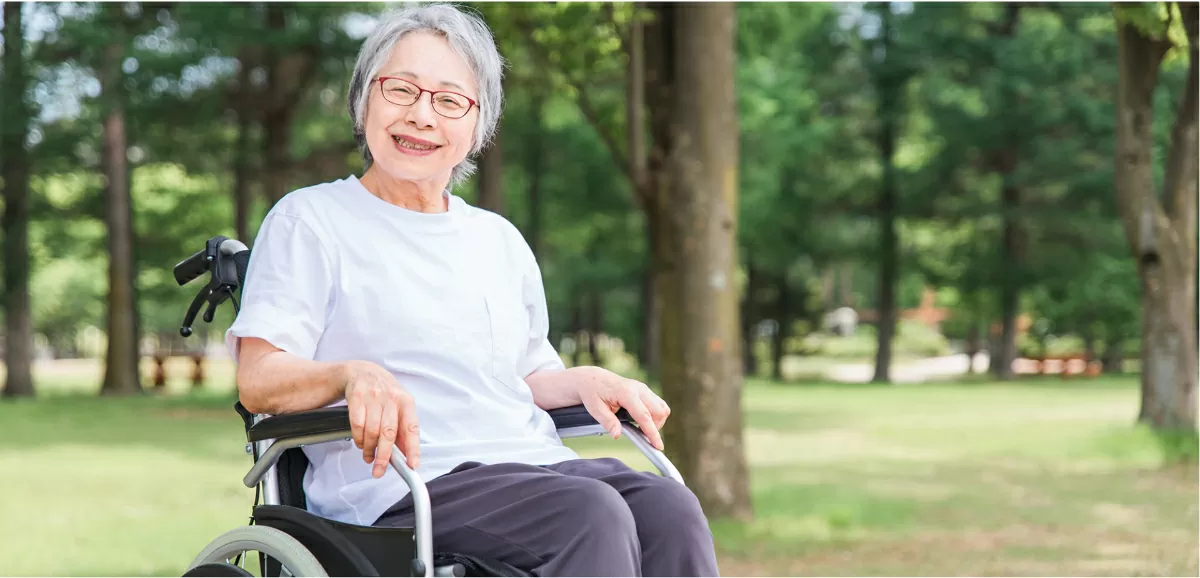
(1036, 478)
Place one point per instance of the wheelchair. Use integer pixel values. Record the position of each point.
(289, 540)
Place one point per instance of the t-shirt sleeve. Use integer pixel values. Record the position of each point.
(539, 354)
(287, 291)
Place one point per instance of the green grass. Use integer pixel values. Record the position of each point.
(1036, 478)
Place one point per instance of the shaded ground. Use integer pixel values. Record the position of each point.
(1040, 478)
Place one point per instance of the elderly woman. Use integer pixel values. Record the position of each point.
(427, 318)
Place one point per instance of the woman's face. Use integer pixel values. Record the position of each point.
(415, 142)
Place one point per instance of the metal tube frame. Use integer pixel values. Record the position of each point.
(639, 440)
(264, 472)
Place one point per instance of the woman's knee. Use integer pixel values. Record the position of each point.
(670, 501)
(673, 531)
(596, 504)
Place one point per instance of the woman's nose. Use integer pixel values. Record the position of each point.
(421, 113)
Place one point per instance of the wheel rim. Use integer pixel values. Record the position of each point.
(292, 557)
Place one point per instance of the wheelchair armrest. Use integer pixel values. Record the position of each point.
(315, 421)
(335, 419)
(578, 416)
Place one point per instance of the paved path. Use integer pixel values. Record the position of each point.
(922, 370)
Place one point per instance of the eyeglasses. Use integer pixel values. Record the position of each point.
(404, 93)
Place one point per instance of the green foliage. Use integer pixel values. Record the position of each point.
(808, 81)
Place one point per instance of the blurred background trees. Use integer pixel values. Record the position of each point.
(887, 182)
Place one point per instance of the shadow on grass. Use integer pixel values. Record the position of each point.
(183, 423)
(804, 513)
(1180, 447)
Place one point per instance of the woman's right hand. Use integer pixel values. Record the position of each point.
(382, 415)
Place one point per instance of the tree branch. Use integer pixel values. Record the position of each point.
(585, 104)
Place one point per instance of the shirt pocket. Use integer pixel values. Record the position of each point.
(509, 326)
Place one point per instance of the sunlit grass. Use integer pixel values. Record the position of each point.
(1042, 477)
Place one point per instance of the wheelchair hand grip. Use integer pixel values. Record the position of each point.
(192, 267)
(241, 261)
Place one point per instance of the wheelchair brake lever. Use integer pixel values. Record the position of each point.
(212, 309)
(193, 310)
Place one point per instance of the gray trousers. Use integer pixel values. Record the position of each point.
(587, 517)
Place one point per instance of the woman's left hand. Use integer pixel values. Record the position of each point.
(604, 392)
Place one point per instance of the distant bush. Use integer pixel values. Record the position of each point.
(1055, 346)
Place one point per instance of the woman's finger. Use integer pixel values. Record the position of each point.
(358, 419)
(409, 432)
(387, 438)
(658, 408)
(371, 430)
(632, 402)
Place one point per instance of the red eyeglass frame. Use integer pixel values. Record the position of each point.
(432, 94)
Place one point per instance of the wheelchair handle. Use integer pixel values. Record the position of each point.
(226, 259)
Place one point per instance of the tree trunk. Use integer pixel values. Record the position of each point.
(653, 295)
(972, 345)
(658, 44)
(750, 317)
(784, 315)
(889, 86)
(1114, 355)
(1162, 238)
(846, 286)
(595, 324)
(536, 158)
(491, 177)
(121, 375)
(576, 329)
(241, 156)
(1010, 291)
(277, 133)
(701, 364)
(1010, 203)
(1089, 343)
(289, 71)
(14, 169)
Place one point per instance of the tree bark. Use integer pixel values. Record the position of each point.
(241, 182)
(653, 292)
(972, 345)
(14, 169)
(491, 176)
(1010, 287)
(1010, 203)
(658, 86)
(750, 317)
(1162, 239)
(1114, 355)
(784, 315)
(701, 363)
(889, 104)
(121, 375)
(289, 71)
(595, 316)
(535, 162)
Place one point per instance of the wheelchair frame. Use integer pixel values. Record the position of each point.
(227, 261)
(268, 452)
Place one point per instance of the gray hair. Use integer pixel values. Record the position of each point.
(468, 35)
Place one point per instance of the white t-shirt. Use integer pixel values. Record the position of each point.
(450, 303)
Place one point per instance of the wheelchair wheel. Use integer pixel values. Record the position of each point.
(284, 549)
